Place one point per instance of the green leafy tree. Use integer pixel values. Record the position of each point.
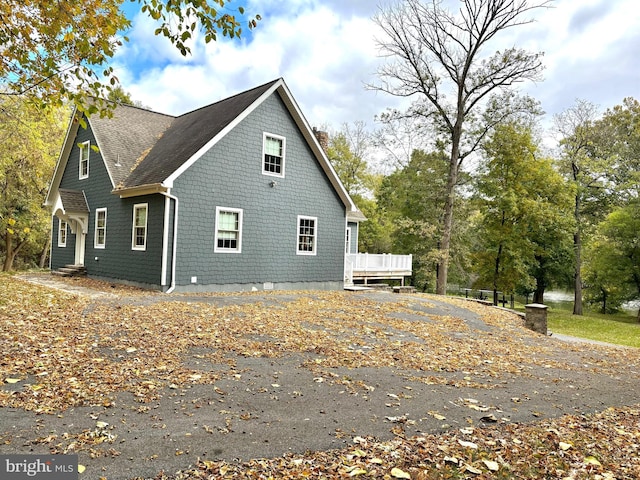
(618, 141)
(30, 140)
(53, 52)
(613, 265)
(442, 60)
(583, 163)
(413, 197)
(525, 218)
(348, 151)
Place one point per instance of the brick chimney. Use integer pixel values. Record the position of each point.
(323, 138)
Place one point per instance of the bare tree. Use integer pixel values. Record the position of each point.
(440, 59)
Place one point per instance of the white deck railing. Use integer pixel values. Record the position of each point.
(380, 265)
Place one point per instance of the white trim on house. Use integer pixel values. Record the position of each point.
(62, 233)
(282, 156)
(134, 233)
(84, 147)
(237, 231)
(348, 239)
(168, 182)
(96, 244)
(63, 159)
(307, 241)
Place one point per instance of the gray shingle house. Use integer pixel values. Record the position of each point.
(237, 195)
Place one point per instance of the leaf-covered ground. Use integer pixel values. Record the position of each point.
(345, 384)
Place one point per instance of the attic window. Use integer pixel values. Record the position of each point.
(84, 160)
(273, 155)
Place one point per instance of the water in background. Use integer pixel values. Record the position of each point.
(561, 298)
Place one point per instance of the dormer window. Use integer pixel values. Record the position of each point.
(273, 155)
(84, 160)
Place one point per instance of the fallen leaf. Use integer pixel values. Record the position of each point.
(471, 469)
(437, 416)
(81, 468)
(468, 444)
(564, 446)
(357, 471)
(397, 473)
(491, 465)
(591, 460)
(12, 380)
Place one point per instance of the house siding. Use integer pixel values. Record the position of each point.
(116, 260)
(63, 255)
(230, 175)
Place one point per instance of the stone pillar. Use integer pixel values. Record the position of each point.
(536, 317)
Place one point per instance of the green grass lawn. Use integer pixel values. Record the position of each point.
(621, 328)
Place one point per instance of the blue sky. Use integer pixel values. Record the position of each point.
(325, 50)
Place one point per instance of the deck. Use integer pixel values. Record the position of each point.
(362, 267)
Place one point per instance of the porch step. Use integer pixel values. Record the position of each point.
(70, 271)
(404, 289)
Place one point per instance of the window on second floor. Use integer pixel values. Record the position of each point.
(84, 160)
(139, 234)
(273, 155)
(100, 237)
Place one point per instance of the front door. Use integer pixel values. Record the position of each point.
(81, 238)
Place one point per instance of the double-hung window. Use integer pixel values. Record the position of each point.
(84, 160)
(228, 235)
(139, 235)
(307, 235)
(100, 236)
(62, 233)
(273, 156)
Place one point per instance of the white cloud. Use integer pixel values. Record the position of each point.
(325, 51)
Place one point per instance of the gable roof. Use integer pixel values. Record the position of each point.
(125, 137)
(145, 151)
(188, 134)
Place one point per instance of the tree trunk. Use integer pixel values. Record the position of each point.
(447, 223)
(9, 255)
(538, 295)
(577, 246)
(45, 253)
(496, 272)
(11, 252)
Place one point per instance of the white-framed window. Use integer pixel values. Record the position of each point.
(62, 233)
(273, 155)
(307, 235)
(228, 235)
(84, 160)
(100, 236)
(139, 234)
(347, 241)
